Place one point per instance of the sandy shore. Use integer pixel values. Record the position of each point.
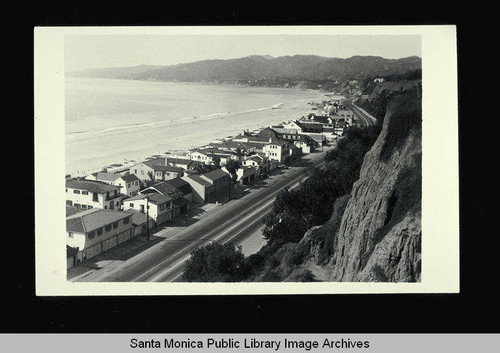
(87, 154)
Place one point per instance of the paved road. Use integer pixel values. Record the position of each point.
(363, 116)
(232, 222)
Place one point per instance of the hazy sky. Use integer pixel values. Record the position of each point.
(96, 51)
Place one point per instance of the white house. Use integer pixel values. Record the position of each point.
(85, 194)
(157, 206)
(129, 183)
(96, 230)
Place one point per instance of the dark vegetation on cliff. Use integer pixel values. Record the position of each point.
(380, 239)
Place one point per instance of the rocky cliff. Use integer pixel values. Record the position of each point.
(378, 235)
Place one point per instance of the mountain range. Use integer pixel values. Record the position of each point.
(257, 67)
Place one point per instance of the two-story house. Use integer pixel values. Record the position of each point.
(166, 172)
(85, 194)
(145, 170)
(155, 205)
(94, 231)
(129, 183)
(172, 188)
(213, 186)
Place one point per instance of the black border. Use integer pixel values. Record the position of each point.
(466, 312)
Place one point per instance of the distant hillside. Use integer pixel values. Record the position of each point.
(281, 71)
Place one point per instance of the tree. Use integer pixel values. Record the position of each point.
(215, 263)
(216, 160)
(232, 166)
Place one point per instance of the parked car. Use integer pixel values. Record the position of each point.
(264, 176)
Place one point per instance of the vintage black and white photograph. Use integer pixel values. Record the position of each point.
(197, 156)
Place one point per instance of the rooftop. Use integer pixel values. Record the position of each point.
(199, 180)
(216, 174)
(129, 178)
(168, 189)
(154, 197)
(89, 220)
(138, 218)
(166, 168)
(103, 176)
(91, 186)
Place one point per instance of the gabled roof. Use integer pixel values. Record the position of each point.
(181, 185)
(320, 119)
(166, 168)
(165, 188)
(89, 220)
(199, 180)
(179, 161)
(91, 186)
(102, 176)
(155, 161)
(154, 197)
(129, 178)
(216, 174)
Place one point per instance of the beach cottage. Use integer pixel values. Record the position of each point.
(94, 231)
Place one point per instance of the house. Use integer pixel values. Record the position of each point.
(144, 170)
(186, 164)
(180, 199)
(304, 142)
(340, 127)
(211, 155)
(165, 172)
(129, 183)
(155, 205)
(94, 231)
(258, 162)
(244, 174)
(85, 194)
(215, 185)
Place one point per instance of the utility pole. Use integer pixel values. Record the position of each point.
(147, 216)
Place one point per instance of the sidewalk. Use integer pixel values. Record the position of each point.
(113, 257)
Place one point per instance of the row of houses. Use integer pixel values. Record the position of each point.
(105, 209)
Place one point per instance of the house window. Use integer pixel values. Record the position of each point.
(115, 225)
(66, 189)
(131, 205)
(108, 228)
(77, 205)
(76, 191)
(129, 185)
(84, 207)
(99, 231)
(90, 207)
(70, 234)
(91, 234)
(85, 192)
(95, 196)
(126, 220)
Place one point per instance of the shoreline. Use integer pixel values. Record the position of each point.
(143, 140)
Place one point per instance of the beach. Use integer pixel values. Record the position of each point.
(119, 122)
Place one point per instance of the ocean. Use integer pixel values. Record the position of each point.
(110, 121)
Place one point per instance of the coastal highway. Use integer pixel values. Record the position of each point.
(231, 222)
(367, 119)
